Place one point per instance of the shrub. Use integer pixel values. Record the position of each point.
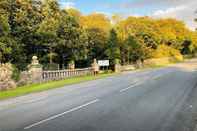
(167, 51)
(15, 73)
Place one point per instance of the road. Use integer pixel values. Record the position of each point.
(146, 100)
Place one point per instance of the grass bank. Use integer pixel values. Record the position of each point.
(47, 86)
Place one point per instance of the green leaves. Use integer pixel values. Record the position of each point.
(113, 50)
(42, 28)
(5, 49)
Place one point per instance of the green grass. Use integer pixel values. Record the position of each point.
(155, 66)
(57, 84)
(46, 86)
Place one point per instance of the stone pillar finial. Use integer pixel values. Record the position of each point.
(35, 60)
(35, 70)
(95, 61)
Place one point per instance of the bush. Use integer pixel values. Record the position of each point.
(178, 58)
(52, 66)
(15, 73)
(167, 51)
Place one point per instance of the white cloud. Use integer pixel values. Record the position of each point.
(68, 5)
(169, 12)
(185, 12)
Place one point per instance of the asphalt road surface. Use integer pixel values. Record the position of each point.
(147, 100)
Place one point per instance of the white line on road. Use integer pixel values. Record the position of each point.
(157, 77)
(136, 84)
(59, 115)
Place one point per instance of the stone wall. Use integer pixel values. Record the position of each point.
(35, 74)
(6, 81)
(25, 78)
(32, 75)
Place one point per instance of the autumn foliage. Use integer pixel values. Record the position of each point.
(56, 35)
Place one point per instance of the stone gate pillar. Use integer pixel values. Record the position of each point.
(71, 65)
(95, 67)
(139, 64)
(117, 66)
(35, 70)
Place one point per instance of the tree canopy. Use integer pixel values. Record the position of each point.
(56, 35)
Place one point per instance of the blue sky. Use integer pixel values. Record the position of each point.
(179, 9)
(113, 6)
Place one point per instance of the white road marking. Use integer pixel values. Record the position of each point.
(158, 76)
(59, 115)
(161, 75)
(136, 84)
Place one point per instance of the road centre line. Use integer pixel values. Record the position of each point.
(136, 84)
(157, 77)
(59, 115)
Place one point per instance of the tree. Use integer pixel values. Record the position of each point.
(21, 17)
(97, 27)
(74, 12)
(113, 49)
(186, 47)
(56, 35)
(47, 30)
(135, 49)
(5, 40)
(5, 50)
(96, 20)
(196, 21)
(97, 39)
(73, 39)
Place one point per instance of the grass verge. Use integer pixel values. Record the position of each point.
(46, 86)
(57, 84)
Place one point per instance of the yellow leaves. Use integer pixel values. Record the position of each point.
(74, 12)
(136, 25)
(193, 37)
(171, 28)
(167, 51)
(50, 8)
(95, 20)
(162, 31)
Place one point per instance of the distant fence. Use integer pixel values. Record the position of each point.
(128, 67)
(62, 74)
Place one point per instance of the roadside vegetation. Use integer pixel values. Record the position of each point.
(49, 85)
(33, 88)
(60, 36)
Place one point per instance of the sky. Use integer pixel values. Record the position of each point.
(185, 10)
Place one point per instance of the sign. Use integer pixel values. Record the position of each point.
(103, 62)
